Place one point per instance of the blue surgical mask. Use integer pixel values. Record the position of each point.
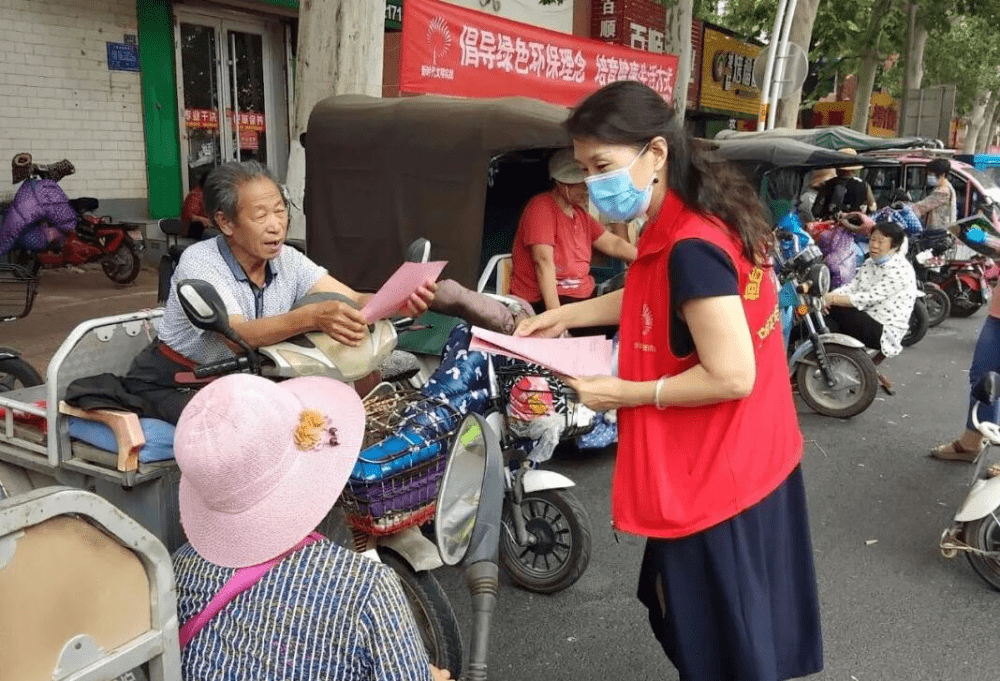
(932, 180)
(882, 260)
(616, 196)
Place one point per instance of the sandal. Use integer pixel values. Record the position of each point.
(954, 451)
(885, 383)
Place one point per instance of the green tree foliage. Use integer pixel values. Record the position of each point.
(965, 51)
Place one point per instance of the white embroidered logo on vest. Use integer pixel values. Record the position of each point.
(647, 319)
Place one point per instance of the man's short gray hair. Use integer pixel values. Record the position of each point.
(222, 186)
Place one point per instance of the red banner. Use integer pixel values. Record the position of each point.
(451, 50)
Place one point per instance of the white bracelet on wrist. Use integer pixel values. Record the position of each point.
(656, 392)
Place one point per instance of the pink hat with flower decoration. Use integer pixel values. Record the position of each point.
(262, 463)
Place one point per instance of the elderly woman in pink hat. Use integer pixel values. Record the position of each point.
(260, 595)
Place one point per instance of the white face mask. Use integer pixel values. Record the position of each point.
(932, 180)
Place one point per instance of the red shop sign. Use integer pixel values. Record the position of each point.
(451, 50)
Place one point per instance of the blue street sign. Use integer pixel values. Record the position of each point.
(122, 57)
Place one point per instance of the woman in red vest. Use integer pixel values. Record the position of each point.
(709, 443)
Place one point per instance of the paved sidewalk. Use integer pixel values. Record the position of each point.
(66, 298)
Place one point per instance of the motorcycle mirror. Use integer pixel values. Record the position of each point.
(987, 389)
(203, 306)
(470, 498)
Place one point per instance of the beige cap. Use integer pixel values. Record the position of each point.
(563, 167)
(820, 176)
(849, 152)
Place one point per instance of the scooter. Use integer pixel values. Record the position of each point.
(975, 529)
(17, 295)
(81, 237)
(833, 372)
(925, 254)
(392, 532)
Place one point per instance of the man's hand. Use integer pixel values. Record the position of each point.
(549, 324)
(340, 321)
(420, 300)
(439, 674)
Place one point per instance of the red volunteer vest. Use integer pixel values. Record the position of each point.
(681, 470)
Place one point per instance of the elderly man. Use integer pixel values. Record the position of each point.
(259, 280)
(555, 240)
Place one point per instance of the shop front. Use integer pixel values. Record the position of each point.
(728, 93)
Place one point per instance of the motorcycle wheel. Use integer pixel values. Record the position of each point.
(938, 304)
(855, 382)
(919, 323)
(561, 555)
(432, 612)
(984, 534)
(15, 373)
(122, 266)
(965, 301)
(25, 259)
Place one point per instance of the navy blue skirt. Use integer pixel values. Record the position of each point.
(738, 602)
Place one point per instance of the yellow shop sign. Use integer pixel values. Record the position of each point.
(727, 81)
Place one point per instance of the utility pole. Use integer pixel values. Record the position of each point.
(340, 50)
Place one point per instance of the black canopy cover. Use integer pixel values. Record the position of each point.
(383, 172)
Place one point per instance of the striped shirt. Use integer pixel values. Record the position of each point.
(288, 277)
(322, 613)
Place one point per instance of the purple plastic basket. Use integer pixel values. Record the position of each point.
(406, 491)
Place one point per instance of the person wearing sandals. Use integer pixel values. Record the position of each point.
(876, 305)
(260, 595)
(708, 464)
(985, 358)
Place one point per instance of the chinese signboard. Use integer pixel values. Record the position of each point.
(883, 116)
(727, 82)
(122, 57)
(208, 119)
(640, 24)
(455, 51)
(394, 14)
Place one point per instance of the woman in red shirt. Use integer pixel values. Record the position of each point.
(709, 443)
(555, 241)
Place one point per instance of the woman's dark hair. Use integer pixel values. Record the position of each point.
(628, 112)
(893, 230)
(222, 186)
(939, 166)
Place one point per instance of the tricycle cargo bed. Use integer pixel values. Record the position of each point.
(35, 446)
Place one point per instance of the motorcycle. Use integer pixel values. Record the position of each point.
(924, 254)
(833, 372)
(975, 529)
(547, 542)
(44, 228)
(17, 295)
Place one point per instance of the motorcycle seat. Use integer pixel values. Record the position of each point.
(84, 204)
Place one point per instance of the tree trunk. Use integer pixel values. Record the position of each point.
(339, 51)
(976, 121)
(869, 65)
(982, 139)
(800, 34)
(678, 41)
(913, 64)
(863, 93)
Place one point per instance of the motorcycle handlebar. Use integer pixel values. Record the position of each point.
(222, 367)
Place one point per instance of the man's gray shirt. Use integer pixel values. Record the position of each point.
(289, 277)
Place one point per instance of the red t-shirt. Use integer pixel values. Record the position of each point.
(572, 238)
(194, 204)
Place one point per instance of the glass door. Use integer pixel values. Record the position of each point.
(224, 92)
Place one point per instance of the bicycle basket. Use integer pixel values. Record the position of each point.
(395, 482)
(529, 391)
(17, 292)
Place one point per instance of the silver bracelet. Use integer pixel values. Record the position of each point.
(656, 393)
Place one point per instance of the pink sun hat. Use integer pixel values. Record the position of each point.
(262, 463)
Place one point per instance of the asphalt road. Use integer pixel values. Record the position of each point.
(892, 607)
